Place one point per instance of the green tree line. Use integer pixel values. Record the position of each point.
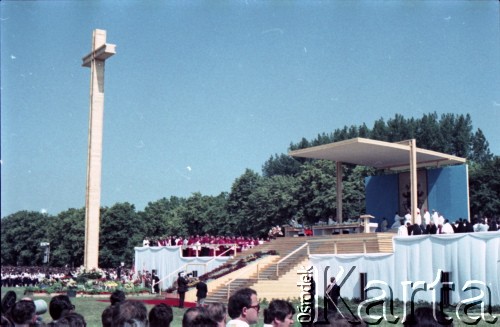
(287, 188)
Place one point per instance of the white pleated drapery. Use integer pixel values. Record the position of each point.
(472, 259)
(167, 259)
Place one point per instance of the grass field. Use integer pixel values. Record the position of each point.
(91, 309)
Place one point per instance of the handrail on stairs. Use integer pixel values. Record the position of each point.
(232, 248)
(290, 254)
(228, 284)
(161, 280)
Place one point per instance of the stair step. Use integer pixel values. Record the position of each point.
(343, 243)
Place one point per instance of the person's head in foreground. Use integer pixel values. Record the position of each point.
(72, 319)
(130, 313)
(425, 317)
(23, 313)
(117, 296)
(243, 306)
(279, 313)
(197, 317)
(59, 306)
(217, 311)
(161, 315)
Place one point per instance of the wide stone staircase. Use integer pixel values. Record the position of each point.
(284, 246)
(278, 274)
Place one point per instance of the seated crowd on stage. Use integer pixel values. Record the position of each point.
(207, 245)
(435, 223)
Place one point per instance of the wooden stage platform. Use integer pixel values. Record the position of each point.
(343, 243)
(331, 229)
(355, 243)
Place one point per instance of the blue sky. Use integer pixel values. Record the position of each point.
(201, 90)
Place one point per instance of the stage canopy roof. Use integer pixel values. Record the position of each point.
(378, 154)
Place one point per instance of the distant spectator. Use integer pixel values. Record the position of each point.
(447, 228)
(217, 311)
(383, 225)
(481, 226)
(201, 292)
(403, 229)
(182, 287)
(460, 226)
(416, 230)
(161, 315)
(493, 225)
(469, 228)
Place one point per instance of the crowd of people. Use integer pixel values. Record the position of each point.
(206, 245)
(435, 223)
(243, 310)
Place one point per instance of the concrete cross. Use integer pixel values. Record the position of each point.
(95, 61)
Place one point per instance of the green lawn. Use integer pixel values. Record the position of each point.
(91, 309)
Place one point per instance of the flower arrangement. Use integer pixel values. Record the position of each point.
(110, 285)
(94, 273)
(228, 268)
(91, 286)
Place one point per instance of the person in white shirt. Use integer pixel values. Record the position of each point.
(483, 227)
(403, 230)
(418, 218)
(397, 221)
(440, 220)
(447, 228)
(435, 217)
(243, 307)
(407, 217)
(427, 217)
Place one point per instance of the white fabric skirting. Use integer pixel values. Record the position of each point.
(167, 259)
(472, 259)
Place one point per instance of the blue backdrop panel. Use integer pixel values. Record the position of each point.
(382, 197)
(447, 191)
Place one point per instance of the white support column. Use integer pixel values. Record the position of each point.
(339, 191)
(413, 179)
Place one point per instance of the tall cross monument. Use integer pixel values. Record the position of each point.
(95, 61)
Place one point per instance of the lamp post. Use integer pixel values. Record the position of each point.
(46, 255)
